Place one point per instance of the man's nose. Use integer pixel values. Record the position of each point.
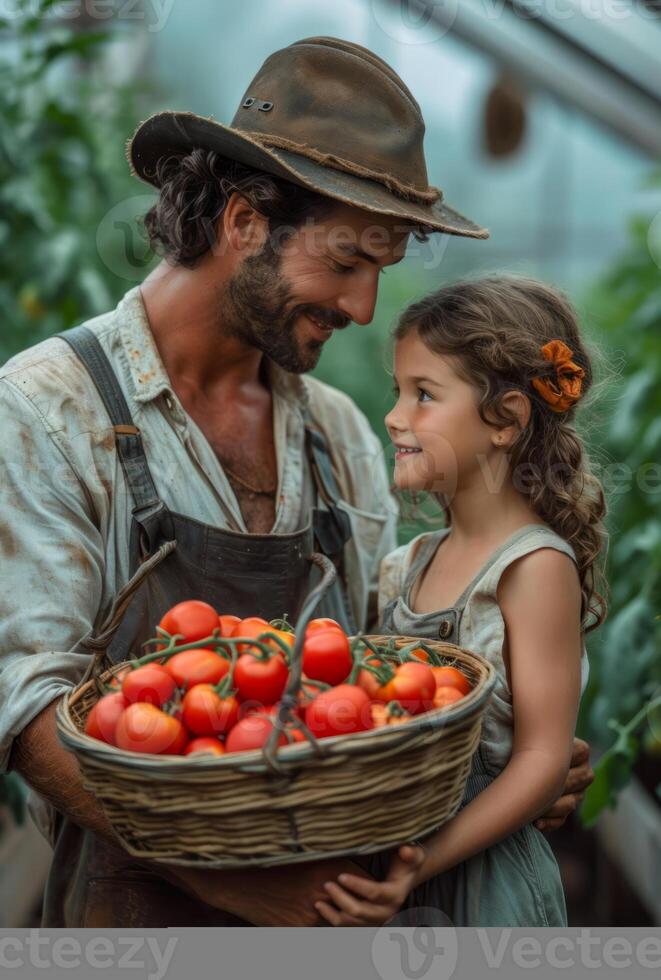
(358, 301)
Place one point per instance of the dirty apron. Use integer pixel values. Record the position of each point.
(92, 883)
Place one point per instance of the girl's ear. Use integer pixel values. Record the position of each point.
(517, 405)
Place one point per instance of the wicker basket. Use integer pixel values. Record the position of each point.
(352, 794)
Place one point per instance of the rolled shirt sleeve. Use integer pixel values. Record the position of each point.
(52, 568)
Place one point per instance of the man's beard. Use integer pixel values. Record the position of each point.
(257, 308)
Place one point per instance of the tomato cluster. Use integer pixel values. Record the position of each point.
(213, 684)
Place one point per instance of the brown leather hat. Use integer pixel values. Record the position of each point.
(329, 115)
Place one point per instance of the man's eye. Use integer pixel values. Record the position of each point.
(342, 269)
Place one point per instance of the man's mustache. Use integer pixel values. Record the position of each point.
(329, 318)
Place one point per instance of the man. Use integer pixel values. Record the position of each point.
(182, 416)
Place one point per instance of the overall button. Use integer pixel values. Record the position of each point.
(445, 628)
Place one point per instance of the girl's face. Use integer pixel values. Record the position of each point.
(436, 419)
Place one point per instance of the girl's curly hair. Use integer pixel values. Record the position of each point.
(194, 189)
(494, 328)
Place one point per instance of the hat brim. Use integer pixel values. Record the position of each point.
(169, 133)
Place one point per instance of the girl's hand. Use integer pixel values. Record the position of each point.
(358, 901)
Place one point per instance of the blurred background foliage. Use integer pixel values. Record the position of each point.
(62, 168)
(72, 245)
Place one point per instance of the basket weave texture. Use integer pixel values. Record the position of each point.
(365, 792)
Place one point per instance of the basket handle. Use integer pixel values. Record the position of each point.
(98, 643)
(289, 699)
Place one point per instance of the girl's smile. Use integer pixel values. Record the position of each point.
(438, 435)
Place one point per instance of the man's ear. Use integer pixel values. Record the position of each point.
(244, 228)
(517, 405)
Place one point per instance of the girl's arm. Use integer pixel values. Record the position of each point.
(540, 600)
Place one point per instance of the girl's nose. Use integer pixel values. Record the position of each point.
(393, 422)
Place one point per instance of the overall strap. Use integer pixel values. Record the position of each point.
(127, 435)
(333, 527)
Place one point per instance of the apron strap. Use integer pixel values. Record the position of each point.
(130, 448)
(332, 526)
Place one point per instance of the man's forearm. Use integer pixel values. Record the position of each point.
(55, 774)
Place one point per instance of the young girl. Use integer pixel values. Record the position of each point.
(488, 376)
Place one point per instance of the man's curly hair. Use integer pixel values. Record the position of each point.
(194, 189)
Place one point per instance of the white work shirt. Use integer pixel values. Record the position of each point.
(65, 511)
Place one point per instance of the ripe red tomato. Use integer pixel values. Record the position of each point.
(413, 686)
(452, 677)
(327, 656)
(340, 710)
(381, 717)
(204, 712)
(192, 619)
(366, 679)
(323, 624)
(211, 745)
(251, 733)
(446, 695)
(197, 667)
(102, 719)
(145, 728)
(271, 710)
(285, 636)
(150, 683)
(295, 734)
(250, 627)
(260, 680)
(227, 624)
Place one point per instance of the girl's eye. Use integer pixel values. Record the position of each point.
(395, 391)
(421, 391)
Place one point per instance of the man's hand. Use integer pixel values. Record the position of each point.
(356, 900)
(280, 896)
(579, 777)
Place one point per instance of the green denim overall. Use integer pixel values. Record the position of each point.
(515, 882)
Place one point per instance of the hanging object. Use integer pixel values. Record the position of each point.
(504, 117)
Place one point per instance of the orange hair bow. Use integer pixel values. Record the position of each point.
(564, 390)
